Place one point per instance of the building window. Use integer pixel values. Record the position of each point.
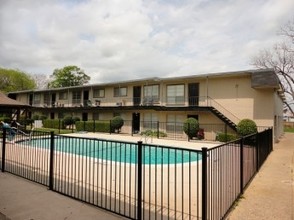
(98, 93)
(151, 94)
(116, 114)
(47, 99)
(63, 95)
(150, 121)
(37, 98)
(176, 94)
(120, 91)
(76, 97)
(175, 123)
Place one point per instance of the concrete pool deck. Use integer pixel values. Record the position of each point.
(193, 144)
(269, 196)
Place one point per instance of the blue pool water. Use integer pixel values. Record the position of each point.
(117, 151)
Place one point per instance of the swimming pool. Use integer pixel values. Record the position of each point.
(117, 151)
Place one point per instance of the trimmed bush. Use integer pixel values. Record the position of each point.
(153, 133)
(100, 126)
(246, 127)
(68, 120)
(35, 117)
(191, 127)
(223, 137)
(116, 124)
(43, 117)
(53, 123)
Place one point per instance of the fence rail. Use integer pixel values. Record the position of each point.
(136, 180)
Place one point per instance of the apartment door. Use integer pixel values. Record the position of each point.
(53, 99)
(136, 122)
(193, 93)
(31, 99)
(86, 97)
(136, 95)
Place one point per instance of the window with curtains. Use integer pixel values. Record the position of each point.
(98, 93)
(120, 91)
(63, 95)
(76, 97)
(37, 98)
(151, 94)
(175, 123)
(150, 121)
(175, 94)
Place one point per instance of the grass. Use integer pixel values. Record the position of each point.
(289, 129)
(56, 131)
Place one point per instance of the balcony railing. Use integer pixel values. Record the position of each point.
(134, 101)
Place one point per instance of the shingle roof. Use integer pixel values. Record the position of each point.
(8, 102)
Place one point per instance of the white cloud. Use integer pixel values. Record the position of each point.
(118, 40)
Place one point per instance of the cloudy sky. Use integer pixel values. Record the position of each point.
(115, 40)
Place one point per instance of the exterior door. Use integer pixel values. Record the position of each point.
(193, 93)
(136, 95)
(136, 123)
(86, 98)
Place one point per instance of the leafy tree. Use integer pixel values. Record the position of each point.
(15, 80)
(68, 76)
(281, 59)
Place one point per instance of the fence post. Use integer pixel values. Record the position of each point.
(109, 126)
(204, 183)
(188, 131)
(257, 150)
(157, 129)
(3, 149)
(226, 132)
(139, 193)
(59, 125)
(51, 162)
(241, 165)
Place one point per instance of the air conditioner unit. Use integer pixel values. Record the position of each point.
(119, 104)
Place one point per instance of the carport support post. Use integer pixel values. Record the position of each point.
(139, 193)
(51, 167)
(3, 150)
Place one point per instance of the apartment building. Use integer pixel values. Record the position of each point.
(216, 98)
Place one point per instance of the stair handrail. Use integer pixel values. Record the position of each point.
(213, 103)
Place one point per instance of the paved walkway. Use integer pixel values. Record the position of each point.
(270, 194)
(21, 199)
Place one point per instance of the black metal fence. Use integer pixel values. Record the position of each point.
(136, 180)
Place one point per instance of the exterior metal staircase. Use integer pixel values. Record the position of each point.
(225, 119)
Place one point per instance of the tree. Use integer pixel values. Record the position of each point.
(15, 80)
(41, 80)
(281, 59)
(68, 76)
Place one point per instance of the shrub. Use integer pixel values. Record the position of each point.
(5, 119)
(191, 127)
(99, 126)
(226, 137)
(43, 117)
(68, 120)
(53, 123)
(35, 117)
(116, 123)
(153, 133)
(76, 119)
(246, 127)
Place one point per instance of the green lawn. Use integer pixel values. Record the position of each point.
(288, 129)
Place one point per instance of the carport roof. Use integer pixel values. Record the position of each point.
(8, 102)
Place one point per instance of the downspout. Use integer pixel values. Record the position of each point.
(206, 90)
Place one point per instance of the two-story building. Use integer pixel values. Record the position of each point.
(217, 98)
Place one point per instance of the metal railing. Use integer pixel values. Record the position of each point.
(136, 180)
